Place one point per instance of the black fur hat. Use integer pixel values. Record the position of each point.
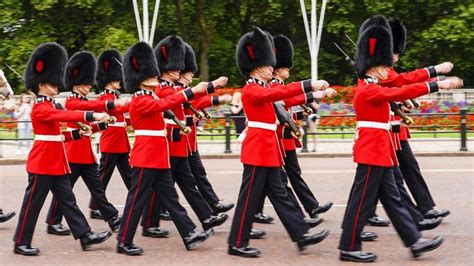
(283, 51)
(80, 70)
(139, 64)
(255, 49)
(170, 53)
(379, 20)
(190, 64)
(374, 48)
(46, 65)
(399, 34)
(109, 68)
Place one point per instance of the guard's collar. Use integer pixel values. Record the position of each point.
(166, 83)
(279, 81)
(370, 79)
(259, 82)
(43, 98)
(74, 94)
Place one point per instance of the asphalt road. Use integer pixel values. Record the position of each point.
(450, 180)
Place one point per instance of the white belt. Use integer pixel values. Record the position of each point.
(170, 121)
(395, 122)
(152, 133)
(370, 124)
(71, 129)
(118, 124)
(262, 125)
(55, 138)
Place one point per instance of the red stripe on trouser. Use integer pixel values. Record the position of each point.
(356, 220)
(242, 218)
(150, 210)
(53, 213)
(125, 229)
(18, 240)
(105, 166)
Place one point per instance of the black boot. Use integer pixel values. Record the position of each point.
(320, 209)
(377, 221)
(214, 221)
(309, 239)
(26, 250)
(92, 238)
(257, 233)
(262, 218)
(424, 245)
(95, 214)
(165, 215)
(428, 224)
(357, 256)
(6, 216)
(313, 222)
(435, 214)
(194, 238)
(246, 252)
(58, 229)
(368, 236)
(221, 207)
(129, 249)
(114, 223)
(155, 232)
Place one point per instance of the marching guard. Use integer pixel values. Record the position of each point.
(149, 156)
(79, 79)
(373, 148)
(114, 144)
(47, 164)
(261, 153)
(291, 168)
(170, 54)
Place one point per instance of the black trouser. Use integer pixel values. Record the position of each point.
(289, 191)
(90, 175)
(144, 180)
(405, 197)
(414, 179)
(301, 189)
(255, 180)
(182, 175)
(200, 176)
(108, 161)
(372, 182)
(35, 195)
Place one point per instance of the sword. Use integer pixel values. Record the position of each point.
(346, 56)
(348, 37)
(13, 70)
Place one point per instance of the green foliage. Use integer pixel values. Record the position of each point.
(437, 31)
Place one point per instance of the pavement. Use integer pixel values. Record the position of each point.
(450, 180)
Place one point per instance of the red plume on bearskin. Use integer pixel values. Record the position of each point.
(139, 64)
(108, 68)
(170, 53)
(46, 65)
(255, 49)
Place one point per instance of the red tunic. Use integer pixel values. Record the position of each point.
(374, 146)
(261, 147)
(181, 147)
(395, 79)
(80, 151)
(49, 157)
(115, 138)
(290, 144)
(199, 104)
(146, 112)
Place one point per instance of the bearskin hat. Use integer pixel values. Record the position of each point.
(379, 20)
(80, 70)
(255, 49)
(170, 53)
(190, 64)
(399, 34)
(283, 51)
(374, 48)
(139, 64)
(109, 68)
(46, 65)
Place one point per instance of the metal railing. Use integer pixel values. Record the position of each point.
(8, 131)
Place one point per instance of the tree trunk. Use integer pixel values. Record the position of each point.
(204, 41)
